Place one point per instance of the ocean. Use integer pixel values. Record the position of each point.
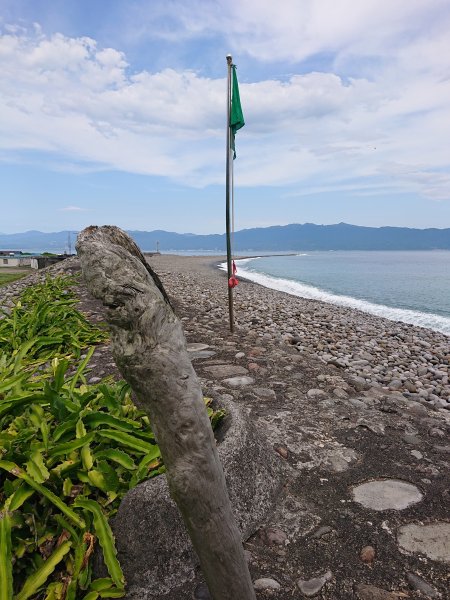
(413, 286)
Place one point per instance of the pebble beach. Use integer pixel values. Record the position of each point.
(375, 351)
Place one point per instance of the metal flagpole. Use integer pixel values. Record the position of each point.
(227, 193)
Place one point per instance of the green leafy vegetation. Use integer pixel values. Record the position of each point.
(69, 451)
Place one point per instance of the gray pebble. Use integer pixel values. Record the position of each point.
(417, 454)
(311, 587)
(238, 381)
(322, 531)
(275, 536)
(316, 393)
(417, 583)
(266, 583)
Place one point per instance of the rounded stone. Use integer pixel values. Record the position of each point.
(417, 454)
(196, 347)
(266, 584)
(395, 384)
(432, 539)
(386, 494)
(311, 587)
(417, 583)
(367, 554)
(316, 393)
(275, 536)
(322, 531)
(239, 381)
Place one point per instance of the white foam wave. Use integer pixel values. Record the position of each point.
(239, 262)
(413, 317)
(244, 261)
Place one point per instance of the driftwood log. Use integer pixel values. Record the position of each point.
(150, 350)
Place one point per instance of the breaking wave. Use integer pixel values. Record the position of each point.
(413, 317)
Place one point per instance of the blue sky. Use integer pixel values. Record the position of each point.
(113, 112)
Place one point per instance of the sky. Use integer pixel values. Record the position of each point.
(114, 112)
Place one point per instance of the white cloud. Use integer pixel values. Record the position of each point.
(70, 98)
(72, 208)
(289, 30)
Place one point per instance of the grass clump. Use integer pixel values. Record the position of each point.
(6, 278)
(69, 451)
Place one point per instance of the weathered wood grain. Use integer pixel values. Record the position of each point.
(150, 350)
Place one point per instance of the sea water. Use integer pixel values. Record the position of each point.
(412, 286)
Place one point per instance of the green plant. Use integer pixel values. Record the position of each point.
(46, 318)
(69, 451)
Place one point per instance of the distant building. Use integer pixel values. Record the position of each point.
(39, 262)
(11, 258)
(14, 260)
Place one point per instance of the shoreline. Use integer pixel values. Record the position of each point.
(433, 321)
(373, 349)
(342, 300)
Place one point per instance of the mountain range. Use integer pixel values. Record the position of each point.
(294, 237)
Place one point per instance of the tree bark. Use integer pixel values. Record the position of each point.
(150, 350)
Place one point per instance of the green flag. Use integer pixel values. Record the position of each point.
(236, 115)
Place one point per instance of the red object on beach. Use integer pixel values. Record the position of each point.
(233, 281)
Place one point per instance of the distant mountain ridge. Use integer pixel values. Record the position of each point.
(294, 237)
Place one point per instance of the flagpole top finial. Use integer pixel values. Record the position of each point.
(229, 59)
